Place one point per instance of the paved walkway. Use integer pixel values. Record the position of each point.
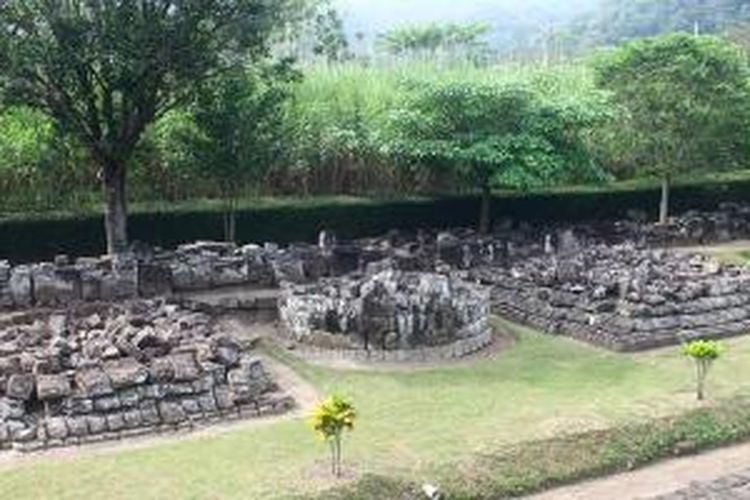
(716, 475)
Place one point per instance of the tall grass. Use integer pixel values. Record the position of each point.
(340, 111)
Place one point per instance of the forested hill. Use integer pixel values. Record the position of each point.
(617, 20)
(522, 25)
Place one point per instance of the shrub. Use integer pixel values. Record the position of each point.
(703, 353)
(330, 419)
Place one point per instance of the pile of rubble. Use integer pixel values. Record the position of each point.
(392, 311)
(623, 297)
(105, 371)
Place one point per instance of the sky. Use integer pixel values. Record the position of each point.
(376, 15)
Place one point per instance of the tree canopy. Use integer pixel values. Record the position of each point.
(429, 38)
(492, 136)
(686, 99)
(105, 70)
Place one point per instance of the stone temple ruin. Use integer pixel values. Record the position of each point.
(104, 348)
(389, 316)
(104, 371)
(624, 298)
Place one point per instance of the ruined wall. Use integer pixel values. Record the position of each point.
(104, 371)
(624, 298)
(391, 311)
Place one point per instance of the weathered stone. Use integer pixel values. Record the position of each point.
(107, 403)
(20, 287)
(77, 426)
(126, 372)
(115, 422)
(93, 382)
(161, 369)
(20, 386)
(171, 413)
(185, 367)
(56, 428)
(96, 424)
(132, 419)
(224, 398)
(55, 287)
(11, 409)
(191, 406)
(52, 387)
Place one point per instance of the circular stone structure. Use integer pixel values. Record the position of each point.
(389, 316)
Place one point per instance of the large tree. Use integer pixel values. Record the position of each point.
(106, 69)
(686, 99)
(492, 135)
(240, 119)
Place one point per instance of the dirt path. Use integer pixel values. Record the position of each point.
(660, 479)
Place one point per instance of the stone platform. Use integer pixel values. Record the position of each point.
(105, 371)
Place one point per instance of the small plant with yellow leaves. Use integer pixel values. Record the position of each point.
(704, 353)
(330, 419)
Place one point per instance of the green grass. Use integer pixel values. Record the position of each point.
(413, 423)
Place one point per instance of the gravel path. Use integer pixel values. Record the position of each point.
(715, 475)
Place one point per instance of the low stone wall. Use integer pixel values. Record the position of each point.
(389, 311)
(104, 371)
(624, 298)
(455, 350)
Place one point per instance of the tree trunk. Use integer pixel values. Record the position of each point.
(230, 220)
(701, 369)
(664, 205)
(116, 218)
(486, 210)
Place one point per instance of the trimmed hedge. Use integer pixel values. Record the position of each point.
(42, 239)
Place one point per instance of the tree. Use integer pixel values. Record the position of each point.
(687, 102)
(492, 135)
(330, 36)
(330, 419)
(105, 70)
(703, 353)
(240, 117)
(427, 39)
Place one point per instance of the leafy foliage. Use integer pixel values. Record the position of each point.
(686, 100)
(240, 128)
(330, 37)
(330, 419)
(703, 353)
(106, 70)
(429, 39)
(492, 135)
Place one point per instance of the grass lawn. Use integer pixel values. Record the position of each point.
(411, 421)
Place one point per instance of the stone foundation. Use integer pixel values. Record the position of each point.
(392, 311)
(102, 371)
(624, 298)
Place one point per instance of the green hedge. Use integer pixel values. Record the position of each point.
(39, 239)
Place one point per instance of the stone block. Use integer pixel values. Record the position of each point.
(96, 424)
(20, 386)
(115, 422)
(50, 387)
(11, 409)
(126, 372)
(171, 412)
(56, 428)
(107, 403)
(56, 287)
(93, 382)
(77, 426)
